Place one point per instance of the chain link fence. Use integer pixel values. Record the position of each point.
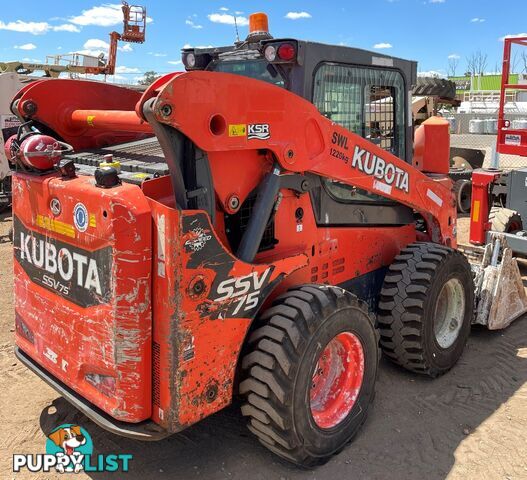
(473, 137)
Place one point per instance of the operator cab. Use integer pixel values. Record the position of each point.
(366, 92)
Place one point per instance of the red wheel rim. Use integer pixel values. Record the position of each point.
(337, 380)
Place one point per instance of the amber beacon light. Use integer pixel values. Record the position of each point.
(258, 23)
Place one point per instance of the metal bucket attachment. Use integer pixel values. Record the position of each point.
(500, 295)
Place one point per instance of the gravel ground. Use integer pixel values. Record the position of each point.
(468, 424)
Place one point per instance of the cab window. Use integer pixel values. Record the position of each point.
(367, 101)
(258, 69)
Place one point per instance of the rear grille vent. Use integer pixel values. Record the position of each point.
(156, 353)
(338, 266)
(236, 225)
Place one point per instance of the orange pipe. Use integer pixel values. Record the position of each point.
(117, 120)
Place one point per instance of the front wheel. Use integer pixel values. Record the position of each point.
(426, 308)
(463, 194)
(310, 375)
(505, 220)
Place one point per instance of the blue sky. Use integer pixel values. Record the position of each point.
(428, 31)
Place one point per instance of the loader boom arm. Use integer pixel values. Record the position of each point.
(213, 109)
(225, 115)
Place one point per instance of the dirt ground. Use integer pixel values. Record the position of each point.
(469, 424)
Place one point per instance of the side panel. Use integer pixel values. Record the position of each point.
(83, 288)
(338, 255)
(204, 302)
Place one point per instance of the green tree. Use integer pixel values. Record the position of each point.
(149, 78)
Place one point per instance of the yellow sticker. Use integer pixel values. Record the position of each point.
(93, 221)
(238, 130)
(475, 211)
(140, 175)
(90, 119)
(56, 226)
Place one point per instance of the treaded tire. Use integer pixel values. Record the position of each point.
(463, 195)
(407, 307)
(504, 220)
(278, 371)
(432, 86)
(457, 174)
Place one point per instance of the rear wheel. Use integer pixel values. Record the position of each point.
(425, 308)
(463, 193)
(504, 220)
(310, 373)
(432, 86)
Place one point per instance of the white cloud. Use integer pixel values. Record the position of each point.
(66, 27)
(96, 43)
(224, 9)
(431, 73)
(105, 15)
(96, 46)
(34, 28)
(37, 28)
(157, 54)
(191, 23)
(454, 56)
(380, 46)
(188, 45)
(227, 19)
(297, 15)
(31, 60)
(26, 46)
(513, 35)
(436, 1)
(102, 16)
(477, 20)
(175, 62)
(123, 69)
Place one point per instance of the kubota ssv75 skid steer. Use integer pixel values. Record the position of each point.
(234, 230)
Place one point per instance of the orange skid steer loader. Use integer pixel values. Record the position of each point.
(238, 228)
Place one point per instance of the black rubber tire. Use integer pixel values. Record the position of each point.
(456, 174)
(277, 371)
(463, 195)
(437, 87)
(407, 306)
(504, 220)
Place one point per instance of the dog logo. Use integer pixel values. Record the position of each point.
(70, 442)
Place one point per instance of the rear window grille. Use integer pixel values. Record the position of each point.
(237, 224)
(367, 101)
